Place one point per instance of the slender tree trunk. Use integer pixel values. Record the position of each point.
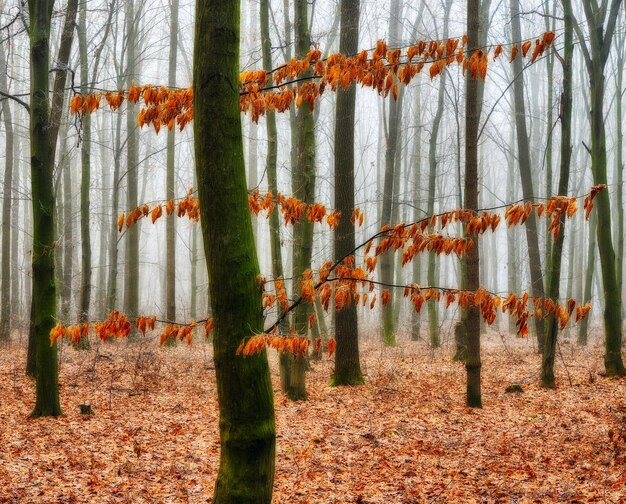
(387, 259)
(16, 299)
(347, 365)
(472, 117)
(68, 228)
(85, 182)
(417, 169)
(549, 351)
(131, 270)
(113, 233)
(170, 230)
(44, 291)
(304, 190)
(592, 245)
(5, 269)
(272, 181)
(247, 429)
(532, 236)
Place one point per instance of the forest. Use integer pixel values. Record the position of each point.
(312, 251)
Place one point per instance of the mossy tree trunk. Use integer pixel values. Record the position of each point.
(347, 365)
(247, 429)
(596, 54)
(554, 263)
(44, 290)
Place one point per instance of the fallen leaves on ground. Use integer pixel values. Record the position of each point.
(404, 437)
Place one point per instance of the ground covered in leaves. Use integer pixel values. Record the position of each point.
(404, 437)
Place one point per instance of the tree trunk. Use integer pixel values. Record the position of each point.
(549, 351)
(170, 184)
(44, 291)
(532, 237)
(85, 182)
(247, 429)
(347, 365)
(131, 270)
(304, 190)
(472, 117)
(5, 270)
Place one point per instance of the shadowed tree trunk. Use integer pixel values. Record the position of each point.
(347, 365)
(247, 430)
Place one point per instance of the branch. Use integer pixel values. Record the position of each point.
(8, 96)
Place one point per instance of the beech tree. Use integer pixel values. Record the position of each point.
(247, 431)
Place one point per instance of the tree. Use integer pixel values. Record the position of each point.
(472, 260)
(5, 268)
(532, 237)
(596, 53)
(549, 351)
(44, 291)
(347, 365)
(247, 431)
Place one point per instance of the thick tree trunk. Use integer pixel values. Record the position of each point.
(532, 237)
(247, 429)
(347, 365)
(44, 291)
(472, 117)
(554, 263)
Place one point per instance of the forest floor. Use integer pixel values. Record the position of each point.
(404, 437)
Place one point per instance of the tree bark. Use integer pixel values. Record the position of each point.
(44, 290)
(532, 237)
(5, 269)
(549, 351)
(472, 118)
(247, 429)
(304, 190)
(347, 365)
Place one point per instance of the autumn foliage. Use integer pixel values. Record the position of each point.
(304, 80)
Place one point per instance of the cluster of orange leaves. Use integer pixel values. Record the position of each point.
(294, 210)
(161, 106)
(294, 344)
(305, 80)
(188, 206)
(119, 326)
